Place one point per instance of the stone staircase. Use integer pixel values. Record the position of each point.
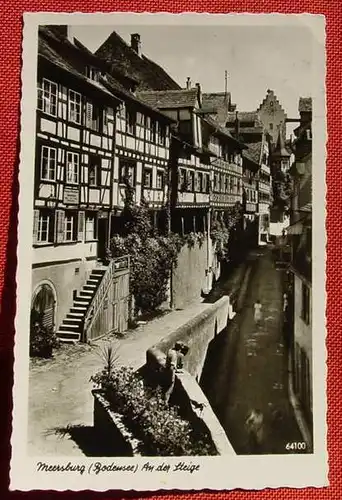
(71, 329)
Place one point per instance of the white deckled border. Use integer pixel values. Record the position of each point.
(216, 473)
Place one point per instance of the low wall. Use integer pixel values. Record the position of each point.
(189, 275)
(197, 334)
(187, 394)
(109, 426)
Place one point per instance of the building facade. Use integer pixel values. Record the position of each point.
(300, 237)
(272, 116)
(93, 136)
(247, 128)
(75, 123)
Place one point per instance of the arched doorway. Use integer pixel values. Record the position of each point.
(44, 305)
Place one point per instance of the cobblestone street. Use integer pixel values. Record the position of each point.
(259, 372)
(60, 400)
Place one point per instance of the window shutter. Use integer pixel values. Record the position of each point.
(89, 114)
(35, 226)
(80, 226)
(59, 226)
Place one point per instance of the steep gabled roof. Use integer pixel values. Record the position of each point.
(280, 150)
(50, 54)
(222, 131)
(117, 88)
(243, 116)
(305, 104)
(170, 99)
(116, 52)
(218, 103)
(270, 95)
(254, 151)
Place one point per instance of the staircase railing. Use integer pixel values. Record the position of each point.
(98, 301)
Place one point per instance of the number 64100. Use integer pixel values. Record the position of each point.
(296, 445)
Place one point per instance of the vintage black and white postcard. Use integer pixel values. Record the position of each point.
(170, 329)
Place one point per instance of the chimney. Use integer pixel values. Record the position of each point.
(136, 43)
(237, 125)
(199, 93)
(188, 83)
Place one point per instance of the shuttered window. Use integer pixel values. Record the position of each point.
(47, 97)
(160, 179)
(74, 107)
(48, 163)
(94, 170)
(80, 226)
(59, 226)
(147, 177)
(43, 226)
(72, 168)
(70, 226)
(90, 226)
(92, 118)
(43, 305)
(127, 172)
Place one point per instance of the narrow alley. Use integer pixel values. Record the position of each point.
(248, 366)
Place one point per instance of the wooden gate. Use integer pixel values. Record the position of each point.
(108, 311)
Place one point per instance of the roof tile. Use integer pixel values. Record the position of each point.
(115, 51)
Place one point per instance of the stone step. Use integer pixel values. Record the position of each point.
(72, 320)
(81, 309)
(82, 301)
(98, 272)
(76, 314)
(68, 336)
(69, 328)
(90, 287)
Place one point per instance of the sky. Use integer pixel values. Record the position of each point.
(256, 58)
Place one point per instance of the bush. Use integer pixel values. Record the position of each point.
(42, 339)
(145, 413)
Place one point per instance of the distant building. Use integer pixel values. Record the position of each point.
(272, 116)
(281, 160)
(207, 172)
(300, 238)
(248, 129)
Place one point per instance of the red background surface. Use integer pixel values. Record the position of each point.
(10, 66)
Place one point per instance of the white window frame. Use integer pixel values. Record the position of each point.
(69, 227)
(50, 171)
(44, 218)
(160, 175)
(93, 73)
(48, 95)
(148, 174)
(72, 167)
(75, 106)
(90, 219)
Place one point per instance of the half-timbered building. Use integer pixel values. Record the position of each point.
(190, 169)
(141, 155)
(75, 126)
(94, 136)
(247, 127)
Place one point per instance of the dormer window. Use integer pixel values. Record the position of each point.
(93, 73)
